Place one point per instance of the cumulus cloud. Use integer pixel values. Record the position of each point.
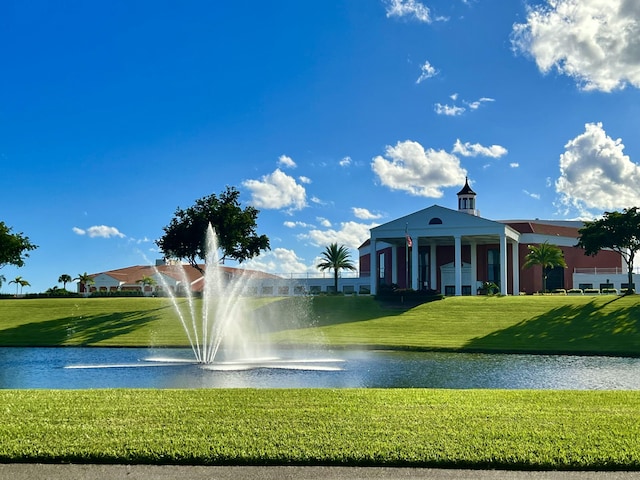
(596, 42)
(304, 179)
(473, 150)
(448, 110)
(345, 162)
(99, 231)
(290, 224)
(596, 174)
(278, 261)
(411, 168)
(365, 214)
(286, 162)
(324, 222)
(427, 71)
(277, 190)
(514, 164)
(350, 234)
(408, 8)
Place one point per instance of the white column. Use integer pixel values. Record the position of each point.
(373, 266)
(394, 265)
(503, 264)
(414, 264)
(515, 258)
(458, 264)
(433, 271)
(474, 268)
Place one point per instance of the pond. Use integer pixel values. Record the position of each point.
(86, 368)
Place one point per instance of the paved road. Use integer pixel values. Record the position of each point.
(147, 472)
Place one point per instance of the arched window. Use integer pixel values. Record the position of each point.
(435, 221)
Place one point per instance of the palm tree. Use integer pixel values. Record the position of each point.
(146, 280)
(547, 256)
(20, 282)
(84, 279)
(64, 279)
(337, 258)
(2, 280)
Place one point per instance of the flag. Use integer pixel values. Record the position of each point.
(409, 241)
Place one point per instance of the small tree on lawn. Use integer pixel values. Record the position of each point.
(617, 231)
(336, 258)
(20, 283)
(547, 256)
(64, 279)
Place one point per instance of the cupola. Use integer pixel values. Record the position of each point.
(467, 200)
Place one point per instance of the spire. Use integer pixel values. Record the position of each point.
(467, 199)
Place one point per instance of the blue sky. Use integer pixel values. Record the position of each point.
(330, 117)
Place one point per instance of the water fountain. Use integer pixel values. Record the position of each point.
(225, 319)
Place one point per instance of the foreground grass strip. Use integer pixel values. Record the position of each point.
(412, 427)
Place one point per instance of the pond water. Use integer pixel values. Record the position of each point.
(85, 368)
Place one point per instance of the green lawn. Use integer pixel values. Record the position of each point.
(549, 324)
(523, 429)
(411, 427)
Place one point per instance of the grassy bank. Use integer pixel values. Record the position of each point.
(593, 325)
(404, 427)
(440, 428)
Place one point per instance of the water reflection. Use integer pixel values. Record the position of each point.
(25, 368)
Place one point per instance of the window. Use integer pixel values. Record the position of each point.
(583, 286)
(493, 265)
(435, 221)
(381, 265)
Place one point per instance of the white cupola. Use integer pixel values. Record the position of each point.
(467, 200)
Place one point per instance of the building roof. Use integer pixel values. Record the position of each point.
(466, 190)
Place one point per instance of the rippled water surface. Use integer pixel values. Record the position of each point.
(83, 368)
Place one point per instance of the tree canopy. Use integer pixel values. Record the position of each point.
(617, 231)
(547, 256)
(14, 247)
(184, 237)
(336, 258)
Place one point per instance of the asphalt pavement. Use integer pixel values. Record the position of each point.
(158, 472)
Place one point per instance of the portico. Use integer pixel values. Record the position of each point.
(445, 250)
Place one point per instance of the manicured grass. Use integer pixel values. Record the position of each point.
(439, 428)
(408, 427)
(541, 324)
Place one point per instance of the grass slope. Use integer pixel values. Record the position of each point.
(549, 324)
(439, 428)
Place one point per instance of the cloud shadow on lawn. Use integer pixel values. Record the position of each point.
(76, 330)
(584, 329)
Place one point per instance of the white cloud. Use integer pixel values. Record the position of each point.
(453, 96)
(596, 174)
(477, 103)
(350, 234)
(99, 231)
(449, 110)
(290, 224)
(420, 172)
(324, 222)
(345, 162)
(278, 260)
(304, 179)
(535, 196)
(365, 214)
(514, 164)
(411, 8)
(286, 162)
(317, 201)
(277, 190)
(595, 42)
(473, 150)
(427, 71)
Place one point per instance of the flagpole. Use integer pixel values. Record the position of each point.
(406, 254)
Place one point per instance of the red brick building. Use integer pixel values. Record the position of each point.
(455, 251)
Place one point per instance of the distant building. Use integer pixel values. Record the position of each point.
(455, 251)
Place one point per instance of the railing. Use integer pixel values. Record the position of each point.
(604, 271)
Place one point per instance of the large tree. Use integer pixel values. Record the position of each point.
(184, 237)
(14, 247)
(617, 231)
(547, 256)
(335, 258)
